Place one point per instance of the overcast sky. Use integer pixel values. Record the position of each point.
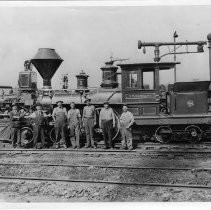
(85, 37)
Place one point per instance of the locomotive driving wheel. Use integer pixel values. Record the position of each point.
(194, 133)
(52, 135)
(26, 136)
(163, 134)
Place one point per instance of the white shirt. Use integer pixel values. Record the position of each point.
(89, 111)
(73, 115)
(126, 119)
(58, 110)
(107, 114)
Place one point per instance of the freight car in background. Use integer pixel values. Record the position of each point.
(180, 113)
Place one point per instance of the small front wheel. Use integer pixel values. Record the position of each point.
(26, 136)
(53, 135)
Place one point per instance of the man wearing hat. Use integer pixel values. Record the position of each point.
(38, 117)
(60, 118)
(126, 121)
(89, 121)
(107, 123)
(74, 124)
(15, 117)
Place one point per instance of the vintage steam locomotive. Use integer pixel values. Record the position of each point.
(181, 113)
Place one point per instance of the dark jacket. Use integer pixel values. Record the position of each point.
(15, 119)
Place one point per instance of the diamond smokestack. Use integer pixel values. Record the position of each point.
(46, 61)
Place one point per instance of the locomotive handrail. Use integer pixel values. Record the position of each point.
(73, 89)
(111, 95)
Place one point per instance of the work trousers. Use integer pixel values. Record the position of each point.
(39, 135)
(89, 130)
(126, 137)
(60, 129)
(15, 136)
(107, 127)
(74, 135)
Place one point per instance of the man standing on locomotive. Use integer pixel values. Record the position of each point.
(38, 126)
(15, 116)
(89, 121)
(74, 124)
(107, 123)
(126, 121)
(60, 118)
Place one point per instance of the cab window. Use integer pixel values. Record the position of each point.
(133, 79)
(148, 80)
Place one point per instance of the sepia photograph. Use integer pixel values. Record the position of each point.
(105, 102)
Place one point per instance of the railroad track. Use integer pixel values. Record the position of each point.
(115, 174)
(117, 151)
(148, 184)
(109, 167)
(204, 147)
(12, 178)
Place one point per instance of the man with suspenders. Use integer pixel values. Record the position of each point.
(60, 118)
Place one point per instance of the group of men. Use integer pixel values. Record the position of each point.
(38, 117)
(73, 121)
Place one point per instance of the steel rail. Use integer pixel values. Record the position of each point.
(146, 184)
(69, 150)
(109, 167)
(102, 151)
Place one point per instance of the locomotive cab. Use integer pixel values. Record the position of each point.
(140, 87)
